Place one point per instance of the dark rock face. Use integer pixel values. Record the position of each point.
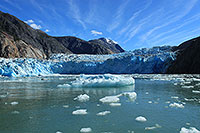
(24, 41)
(78, 46)
(109, 44)
(188, 58)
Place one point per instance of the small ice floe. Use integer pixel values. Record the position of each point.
(147, 93)
(187, 82)
(167, 102)
(65, 106)
(175, 83)
(80, 112)
(110, 99)
(58, 132)
(150, 102)
(131, 95)
(197, 84)
(14, 103)
(15, 112)
(176, 105)
(189, 130)
(153, 127)
(187, 123)
(104, 80)
(98, 105)
(141, 119)
(198, 92)
(103, 113)
(115, 104)
(191, 100)
(82, 98)
(174, 97)
(195, 79)
(187, 87)
(86, 130)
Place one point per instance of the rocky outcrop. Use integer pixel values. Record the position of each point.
(18, 39)
(188, 58)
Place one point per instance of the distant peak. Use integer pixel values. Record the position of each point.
(107, 40)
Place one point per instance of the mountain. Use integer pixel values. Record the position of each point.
(187, 59)
(109, 44)
(18, 39)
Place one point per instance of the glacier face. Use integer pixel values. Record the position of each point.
(153, 60)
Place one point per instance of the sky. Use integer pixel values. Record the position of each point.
(132, 23)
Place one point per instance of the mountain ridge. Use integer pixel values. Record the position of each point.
(37, 39)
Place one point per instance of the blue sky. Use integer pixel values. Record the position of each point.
(131, 23)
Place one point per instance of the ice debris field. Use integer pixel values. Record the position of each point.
(144, 60)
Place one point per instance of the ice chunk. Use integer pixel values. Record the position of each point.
(195, 91)
(103, 113)
(105, 80)
(115, 104)
(131, 95)
(153, 127)
(110, 99)
(14, 103)
(15, 112)
(86, 130)
(65, 106)
(80, 112)
(195, 79)
(141, 119)
(176, 105)
(187, 87)
(82, 98)
(190, 130)
(58, 132)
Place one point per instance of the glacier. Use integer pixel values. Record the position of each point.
(145, 60)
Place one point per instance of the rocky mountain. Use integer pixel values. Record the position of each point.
(18, 39)
(109, 44)
(188, 58)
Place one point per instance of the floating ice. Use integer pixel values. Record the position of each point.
(82, 98)
(115, 104)
(131, 95)
(153, 127)
(110, 99)
(195, 79)
(105, 80)
(14, 103)
(196, 91)
(65, 106)
(86, 130)
(187, 87)
(141, 119)
(176, 105)
(80, 112)
(190, 130)
(58, 132)
(103, 113)
(15, 112)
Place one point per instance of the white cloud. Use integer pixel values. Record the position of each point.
(35, 26)
(29, 21)
(94, 32)
(46, 30)
(75, 13)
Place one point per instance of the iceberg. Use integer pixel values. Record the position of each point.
(141, 119)
(82, 98)
(176, 105)
(153, 60)
(103, 113)
(190, 130)
(105, 80)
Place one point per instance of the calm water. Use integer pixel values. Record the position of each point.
(38, 106)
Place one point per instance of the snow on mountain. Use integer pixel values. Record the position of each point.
(154, 60)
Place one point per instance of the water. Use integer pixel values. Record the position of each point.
(43, 107)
